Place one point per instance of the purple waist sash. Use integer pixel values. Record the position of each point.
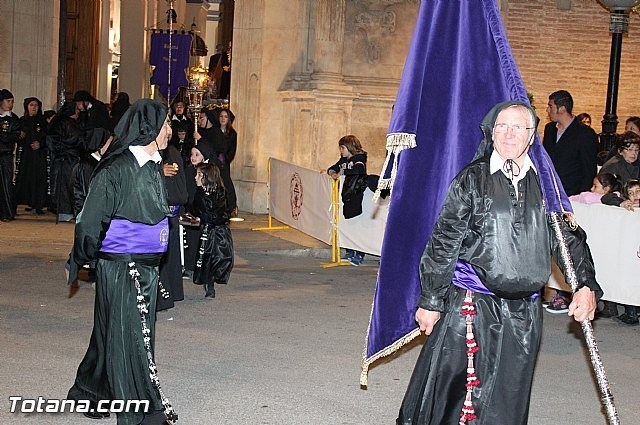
(174, 210)
(465, 277)
(127, 237)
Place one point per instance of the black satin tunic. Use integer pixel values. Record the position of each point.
(507, 240)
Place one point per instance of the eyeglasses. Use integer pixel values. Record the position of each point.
(516, 128)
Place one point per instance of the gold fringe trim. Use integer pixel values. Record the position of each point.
(396, 143)
(403, 140)
(366, 362)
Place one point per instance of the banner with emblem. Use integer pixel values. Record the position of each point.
(169, 83)
(301, 198)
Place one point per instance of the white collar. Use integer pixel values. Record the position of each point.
(5, 114)
(496, 162)
(143, 157)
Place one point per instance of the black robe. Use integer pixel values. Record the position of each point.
(65, 142)
(171, 265)
(116, 365)
(9, 134)
(215, 254)
(191, 234)
(32, 163)
(224, 146)
(508, 243)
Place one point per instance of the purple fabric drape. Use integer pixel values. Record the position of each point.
(458, 67)
(159, 57)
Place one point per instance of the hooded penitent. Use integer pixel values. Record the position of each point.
(458, 68)
(139, 126)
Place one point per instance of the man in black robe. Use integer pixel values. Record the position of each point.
(482, 270)
(93, 113)
(171, 288)
(9, 134)
(124, 226)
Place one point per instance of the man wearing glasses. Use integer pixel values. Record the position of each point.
(481, 272)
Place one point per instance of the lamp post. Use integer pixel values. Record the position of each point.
(619, 25)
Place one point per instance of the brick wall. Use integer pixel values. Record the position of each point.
(557, 48)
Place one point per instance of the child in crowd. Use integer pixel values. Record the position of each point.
(353, 164)
(630, 199)
(215, 256)
(603, 184)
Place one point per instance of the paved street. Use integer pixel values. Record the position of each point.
(280, 345)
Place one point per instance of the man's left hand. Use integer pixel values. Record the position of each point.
(583, 305)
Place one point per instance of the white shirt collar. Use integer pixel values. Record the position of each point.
(496, 162)
(5, 114)
(142, 157)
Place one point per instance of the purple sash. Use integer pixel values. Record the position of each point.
(466, 278)
(127, 237)
(174, 210)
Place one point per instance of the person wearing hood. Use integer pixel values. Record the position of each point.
(353, 165)
(94, 150)
(481, 272)
(9, 135)
(66, 142)
(93, 113)
(123, 228)
(31, 158)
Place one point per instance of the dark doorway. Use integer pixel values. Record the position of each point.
(81, 41)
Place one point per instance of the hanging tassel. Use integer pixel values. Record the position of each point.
(468, 311)
(396, 142)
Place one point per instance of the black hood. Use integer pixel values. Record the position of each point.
(486, 146)
(139, 126)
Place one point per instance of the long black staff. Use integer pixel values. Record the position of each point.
(606, 397)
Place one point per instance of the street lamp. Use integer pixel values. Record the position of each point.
(619, 24)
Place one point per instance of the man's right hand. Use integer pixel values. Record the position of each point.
(427, 319)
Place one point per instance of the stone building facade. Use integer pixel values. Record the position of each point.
(306, 72)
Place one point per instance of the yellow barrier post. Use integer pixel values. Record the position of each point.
(269, 226)
(335, 246)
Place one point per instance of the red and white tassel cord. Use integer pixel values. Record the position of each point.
(468, 311)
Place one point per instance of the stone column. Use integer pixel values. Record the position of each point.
(329, 36)
(29, 65)
(134, 64)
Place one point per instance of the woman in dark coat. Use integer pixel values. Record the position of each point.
(225, 144)
(31, 158)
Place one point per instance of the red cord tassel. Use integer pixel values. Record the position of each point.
(468, 311)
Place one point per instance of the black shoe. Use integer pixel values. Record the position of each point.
(609, 309)
(628, 319)
(210, 291)
(27, 209)
(39, 211)
(93, 412)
